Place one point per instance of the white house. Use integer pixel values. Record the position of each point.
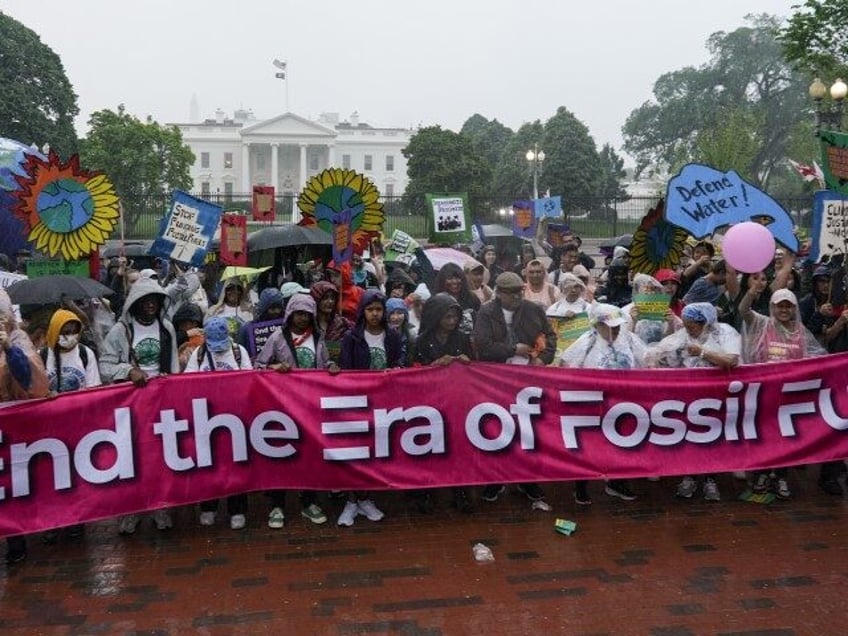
(234, 154)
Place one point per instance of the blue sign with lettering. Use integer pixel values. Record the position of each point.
(701, 199)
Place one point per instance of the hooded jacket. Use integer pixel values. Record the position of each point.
(22, 374)
(280, 346)
(428, 348)
(350, 294)
(116, 355)
(337, 325)
(355, 351)
(399, 277)
(55, 360)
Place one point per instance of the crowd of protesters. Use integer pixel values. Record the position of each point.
(371, 314)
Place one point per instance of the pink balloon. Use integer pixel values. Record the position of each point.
(748, 247)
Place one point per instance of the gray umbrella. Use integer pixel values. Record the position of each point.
(48, 290)
(286, 236)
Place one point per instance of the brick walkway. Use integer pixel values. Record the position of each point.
(654, 566)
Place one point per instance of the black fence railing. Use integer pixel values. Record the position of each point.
(590, 217)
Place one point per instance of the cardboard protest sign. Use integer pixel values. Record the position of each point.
(233, 239)
(550, 207)
(187, 230)
(8, 279)
(652, 306)
(258, 334)
(657, 244)
(701, 199)
(36, 268)
(835, 160)
(263, 203)
(523, 219)
(558, 234)
(568, 330)
(449, 220)
(401, 248)
(830, 225)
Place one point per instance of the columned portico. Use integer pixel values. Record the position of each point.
(245, 168)
(275, 165)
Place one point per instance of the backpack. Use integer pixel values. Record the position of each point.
(203, 351)
(83, 351)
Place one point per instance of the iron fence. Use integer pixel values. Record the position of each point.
(590, 217)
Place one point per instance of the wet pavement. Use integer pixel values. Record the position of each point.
(657, 566)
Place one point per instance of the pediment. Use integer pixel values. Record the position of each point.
(287, 125)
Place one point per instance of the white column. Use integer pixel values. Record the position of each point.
(303, 179)
(246, 186)
(331, 155)
(275, 165)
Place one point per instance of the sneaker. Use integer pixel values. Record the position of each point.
(348, 514)
(128, 523)
(831, 487)
(618, 488)
(532, 491)
(162, 519)
(276, 518)
(15, 556)
(314, 513)
(492, 492)
(711, 491)
(237, 522)
(686, 488)
(461, 501)
(782, 490)
(367, 508)
(761, 484)
(207, 518)
(581, 495)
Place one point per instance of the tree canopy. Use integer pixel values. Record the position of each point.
(815, 38)
(442, 161)
(38, 103)
(142, 158)
(740, 110)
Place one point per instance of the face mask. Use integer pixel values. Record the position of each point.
(68, 342)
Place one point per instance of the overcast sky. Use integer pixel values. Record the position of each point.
(398, 63)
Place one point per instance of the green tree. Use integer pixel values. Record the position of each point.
(815, 38)
(38, 103)
(612, 174)
(746, 80)
(572, 166)
(142, 158)
(489, 138)
(440, 161)
(732, 144)
(513, 179)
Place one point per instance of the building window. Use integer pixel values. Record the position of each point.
(389, 190)
(260, 161)
(228, 160)
(204, 160)
(313, 162)
(369, 162)
(205, 190)
(346, 162)
(390, 163)
(228, 191)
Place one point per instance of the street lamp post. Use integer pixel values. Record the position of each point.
(535, 157)
(828, 116)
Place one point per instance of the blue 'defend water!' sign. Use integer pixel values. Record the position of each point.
(701, 199)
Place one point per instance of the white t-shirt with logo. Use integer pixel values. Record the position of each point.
(377, 348)
(146, 347)
(74, 374)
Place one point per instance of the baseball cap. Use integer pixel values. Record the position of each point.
(217, 334)
(610, 315)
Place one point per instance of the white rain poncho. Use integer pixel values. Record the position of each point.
(766, 339)
(650, 331)
(591, 351)
(563, 308)
(671, 351)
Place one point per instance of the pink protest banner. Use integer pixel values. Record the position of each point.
(115, 450)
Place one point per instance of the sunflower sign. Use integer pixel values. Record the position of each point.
(187, 230)
(657, 244)
(346, 205)
(65, 211)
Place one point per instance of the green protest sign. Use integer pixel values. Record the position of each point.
(448, 218)
(568, 330)
(652, 306)
(39, 268)
(835, 160)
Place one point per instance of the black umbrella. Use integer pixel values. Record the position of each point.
(48, 290)
(608, 245)
(286, 236)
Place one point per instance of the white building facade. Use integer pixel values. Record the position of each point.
(234, 154)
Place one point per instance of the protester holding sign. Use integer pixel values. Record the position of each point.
(22, 376)
(330, 323)
(269, 317)
(606, 346)
(140, 346)
(777, 337)
(371, 344)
